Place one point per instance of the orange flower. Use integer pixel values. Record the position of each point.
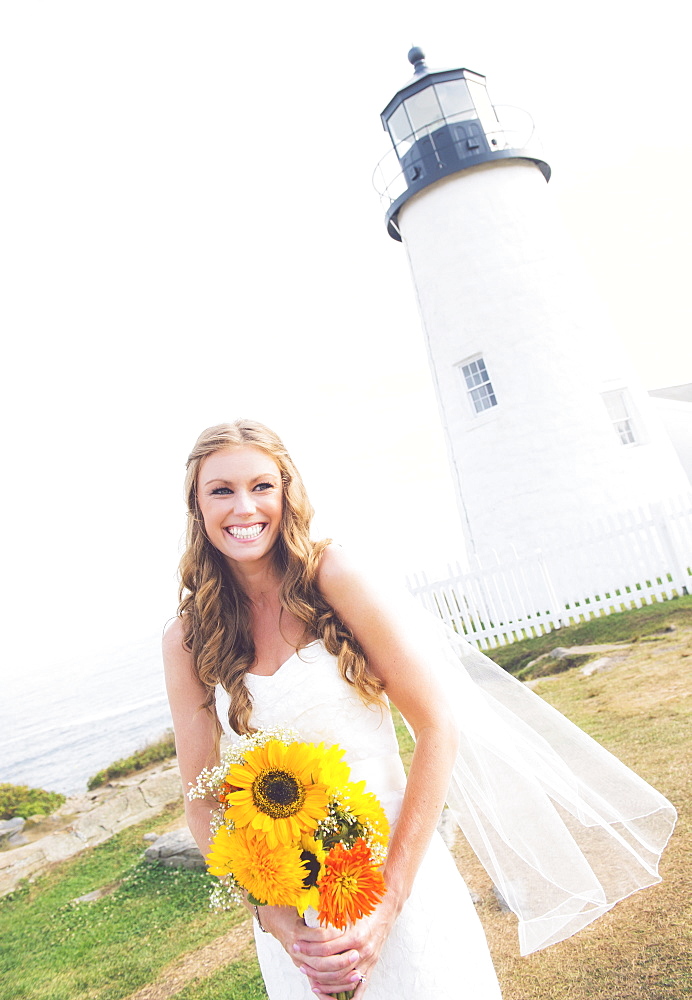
(351, 887)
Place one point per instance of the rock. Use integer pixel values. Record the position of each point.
(91, 897)
(36, 819)
(10, 828)
(501, 900)
(447, 828)
(176, 849)
(16, 840)
(150, 836)
(559, 653)
(92, 818)
(602, 663)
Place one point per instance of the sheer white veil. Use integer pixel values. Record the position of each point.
(563, 828)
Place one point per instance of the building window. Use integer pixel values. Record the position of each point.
(620, 415)
(478, 385)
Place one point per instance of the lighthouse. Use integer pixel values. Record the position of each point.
(546, 427)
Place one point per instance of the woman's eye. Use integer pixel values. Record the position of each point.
(221, 491)
(264, 486)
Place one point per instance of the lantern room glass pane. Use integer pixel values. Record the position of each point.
(455, 100)
(485, 110)
(400, 129)
(424, 111)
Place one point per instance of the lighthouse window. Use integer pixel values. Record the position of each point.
(424, 111)
(478, 385)
(455, 100)
(620, 415)
(400, 130)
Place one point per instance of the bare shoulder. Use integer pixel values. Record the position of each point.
(336, 567)
(381, 618)
(177, 658)
(356, 592)
(173, 637)
(341, 576)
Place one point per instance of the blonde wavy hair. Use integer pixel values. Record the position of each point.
(214, 609)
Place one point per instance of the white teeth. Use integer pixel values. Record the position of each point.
(252, 532)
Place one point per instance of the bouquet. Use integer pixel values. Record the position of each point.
(291, 829)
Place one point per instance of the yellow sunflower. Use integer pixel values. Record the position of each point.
(312, 856)
(278, 794)
(273, 874)
(366, 808)
(333, 770)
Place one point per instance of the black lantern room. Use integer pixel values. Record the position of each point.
(440, 123)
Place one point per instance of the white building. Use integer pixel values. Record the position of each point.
(674, 407)
(547, 429)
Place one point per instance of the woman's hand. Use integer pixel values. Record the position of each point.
(345, 961)
(315, 951)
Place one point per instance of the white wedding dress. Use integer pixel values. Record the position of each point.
(437, 948)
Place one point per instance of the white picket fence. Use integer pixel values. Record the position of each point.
(624, 561)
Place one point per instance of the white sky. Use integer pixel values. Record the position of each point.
(189, 234)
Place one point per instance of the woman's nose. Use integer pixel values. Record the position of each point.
(244, 503)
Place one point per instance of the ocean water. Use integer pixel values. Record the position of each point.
(59, 730)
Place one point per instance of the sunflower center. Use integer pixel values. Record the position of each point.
(277, 793)
(312, 868)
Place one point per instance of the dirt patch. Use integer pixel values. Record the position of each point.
(198, 964)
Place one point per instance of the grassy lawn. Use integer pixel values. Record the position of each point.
(626, 626)
(640, 708)
(55, 949)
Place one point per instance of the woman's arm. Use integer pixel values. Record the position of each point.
(196, 740)
(395, 655)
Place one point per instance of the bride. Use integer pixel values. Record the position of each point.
(275, 629)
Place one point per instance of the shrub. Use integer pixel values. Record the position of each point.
(20, 800)
(161, 749)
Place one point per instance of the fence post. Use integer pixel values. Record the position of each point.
(677, 571)
(556, 607)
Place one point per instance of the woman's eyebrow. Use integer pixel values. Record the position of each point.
(255, 479)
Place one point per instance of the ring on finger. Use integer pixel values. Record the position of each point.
(360, 975)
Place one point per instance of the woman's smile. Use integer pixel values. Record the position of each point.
(245, 532)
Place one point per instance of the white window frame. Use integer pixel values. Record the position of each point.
(621, 414)
(478, 385)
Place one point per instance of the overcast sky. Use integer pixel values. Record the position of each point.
(190, 234)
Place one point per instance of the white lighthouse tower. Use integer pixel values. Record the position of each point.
(546, 428)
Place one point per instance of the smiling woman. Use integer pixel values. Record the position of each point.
(274, 625)
(278, 631)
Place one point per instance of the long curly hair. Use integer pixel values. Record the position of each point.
(214, 609)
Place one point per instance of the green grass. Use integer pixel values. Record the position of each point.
(56, 949)
(406, 743)
(626, 626)
(20, 800)
(241, 980)
(152, 753)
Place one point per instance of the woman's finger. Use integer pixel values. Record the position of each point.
(324, 974)
(322, 962)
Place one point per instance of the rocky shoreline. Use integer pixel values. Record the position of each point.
(89, 819)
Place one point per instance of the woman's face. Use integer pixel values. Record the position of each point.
(240, 495)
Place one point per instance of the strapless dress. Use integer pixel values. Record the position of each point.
(437, 948)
